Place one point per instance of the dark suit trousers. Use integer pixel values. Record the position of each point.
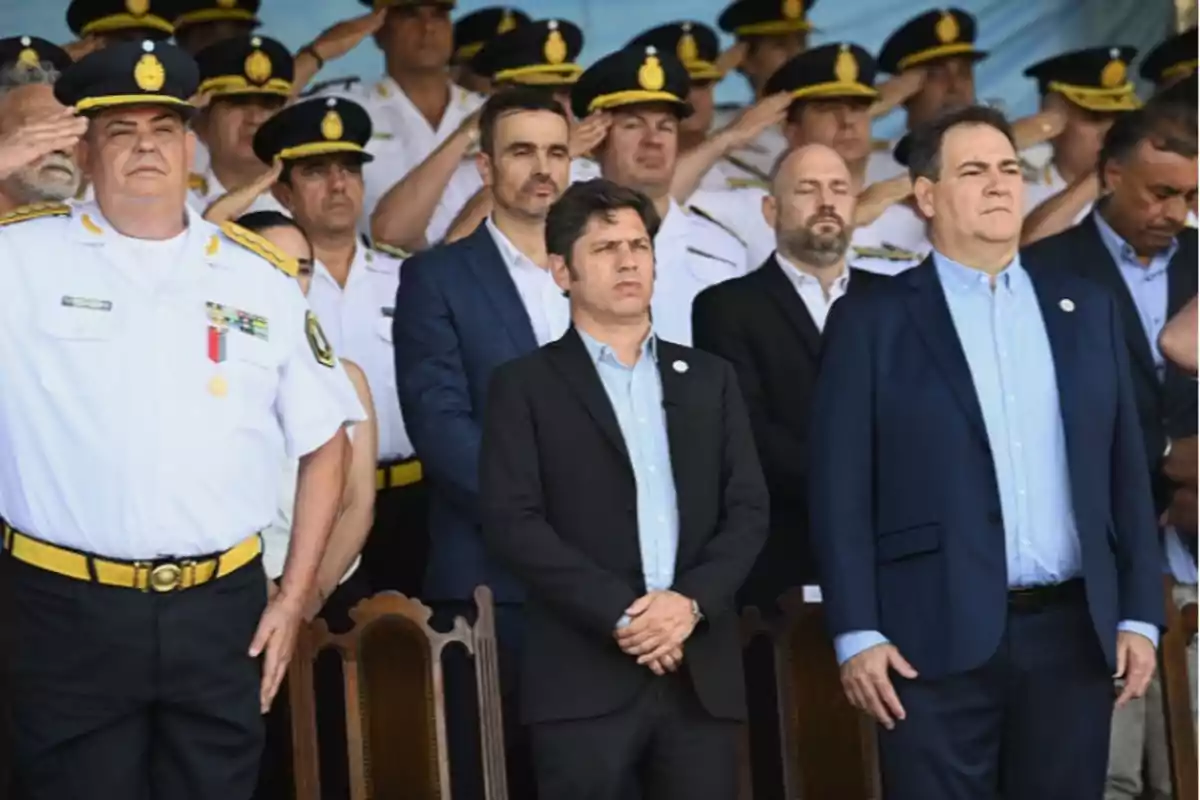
(1030, 724)
(662, 742)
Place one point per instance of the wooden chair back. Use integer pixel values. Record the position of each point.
(1177, 695)
(393, 684)
(827, 748)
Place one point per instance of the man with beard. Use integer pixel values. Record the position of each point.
(28, 69)
(645, 91)
(462, 310)
(768, 324)
(321, 145)
(247, 79)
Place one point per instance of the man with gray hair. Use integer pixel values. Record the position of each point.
(28, 69)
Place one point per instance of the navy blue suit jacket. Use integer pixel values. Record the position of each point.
(905, 510)
(458, 317)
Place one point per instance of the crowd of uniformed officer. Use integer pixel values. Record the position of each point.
(140, 430)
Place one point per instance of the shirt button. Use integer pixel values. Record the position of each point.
(662, 518)
(653, 470)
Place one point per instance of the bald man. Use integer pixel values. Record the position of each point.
(26, 97)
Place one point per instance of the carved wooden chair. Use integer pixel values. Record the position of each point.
(395, 700)
(1177, 696)
(827, 748)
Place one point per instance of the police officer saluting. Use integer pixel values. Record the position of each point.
(156, 369)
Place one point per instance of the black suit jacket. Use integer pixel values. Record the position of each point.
(760, 325)
(559, 505)
(1166, 408)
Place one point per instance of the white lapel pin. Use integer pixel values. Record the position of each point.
(680, 366)
(1067, 304)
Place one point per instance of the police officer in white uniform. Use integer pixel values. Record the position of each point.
(321, 142)
(247, 79)
(645, 90)
(156, 370)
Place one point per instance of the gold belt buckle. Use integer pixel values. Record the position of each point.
(165, 577)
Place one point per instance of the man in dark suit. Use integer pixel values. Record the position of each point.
(461, 311)
(1137, 243)
(981, 510)
(620, 483)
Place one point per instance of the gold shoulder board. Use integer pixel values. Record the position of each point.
(881, 145)
(704, 215)
(262, 247)
(394, 252)
(885, 253)
(198, 183)
(746, 166)
(34, 211)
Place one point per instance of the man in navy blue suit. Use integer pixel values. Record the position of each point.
(462, 310)
(981, 510)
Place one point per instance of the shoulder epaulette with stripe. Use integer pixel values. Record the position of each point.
(746, 166)
(747, 183)
(706, 254)
(885, 253)
(34, 211)
(344, 83)
(198, 183)
(881, 145)
(388, 250)
(261, 247)
(704, 215)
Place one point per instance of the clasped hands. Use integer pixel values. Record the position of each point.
(659, 624)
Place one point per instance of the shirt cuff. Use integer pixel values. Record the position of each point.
(1144, 628)
(848, 645)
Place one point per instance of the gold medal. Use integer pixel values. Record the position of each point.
(218, 386)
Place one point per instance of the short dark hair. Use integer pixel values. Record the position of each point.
(259, 221)
(925, 141)
(1168, 126)
(582, 201)
(517, 98)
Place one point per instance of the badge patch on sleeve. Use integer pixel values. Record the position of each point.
(322, 351)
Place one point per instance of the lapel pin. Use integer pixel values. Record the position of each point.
(680, 366)
(1067, 304)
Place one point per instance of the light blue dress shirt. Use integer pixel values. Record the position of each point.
(637, 400)
(1004, 338)
(1148, 285)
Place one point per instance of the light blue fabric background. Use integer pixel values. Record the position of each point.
(1017, 32)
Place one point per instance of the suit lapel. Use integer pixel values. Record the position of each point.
(931, 315)
(677, 377)
(1062, 330)
(492, 276)
(571, 358)
(786, 299)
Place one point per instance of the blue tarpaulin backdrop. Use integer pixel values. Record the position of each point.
(1016, 32)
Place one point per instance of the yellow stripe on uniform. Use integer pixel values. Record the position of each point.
(394, 476)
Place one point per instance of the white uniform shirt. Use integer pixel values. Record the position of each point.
(896, 241)
(810, 291)
(548, 308)
(739, 210)
(210, 190)
(690, 254)
(358, 322)
(882, 165)
(132, 426)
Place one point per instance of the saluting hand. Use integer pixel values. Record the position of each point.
(771, 110)
(660, 623)
(1136, 661)
(59, 131)
(588, 133)
(81, 47)
(275, 640)
(868, 684)
(343, 37)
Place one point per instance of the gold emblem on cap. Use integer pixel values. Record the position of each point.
(258, 67)
(28, 58)
(227, 4)
(845, 68)
(137, 7)
(1113, 74)
(650, 75)
(946, 29)
(149, 74)
(507, 22)
(687, 50)
(792, 9)
(331, 126)
(555, 49)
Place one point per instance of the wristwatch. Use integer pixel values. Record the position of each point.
(1167, 450)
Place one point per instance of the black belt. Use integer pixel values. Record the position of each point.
(1031, 599)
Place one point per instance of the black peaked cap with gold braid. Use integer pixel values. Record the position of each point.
(943, 33)
(130, 73)
(151, 18)
(378, 4)
(32, 52)
(197, 12)
(766, 17)
(1096, 78)
(693, 43)
(317, 127)
(478, 28)
(830, 71)
(541, 53)
(632, 76)
(246, 65)
(1172, 58)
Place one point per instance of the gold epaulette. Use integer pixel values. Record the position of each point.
(746, 183)
(885, 253)
(198, 183)
(389, 250)
(261, 247)
(704, 215)
(881, 145)
(34, 211)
